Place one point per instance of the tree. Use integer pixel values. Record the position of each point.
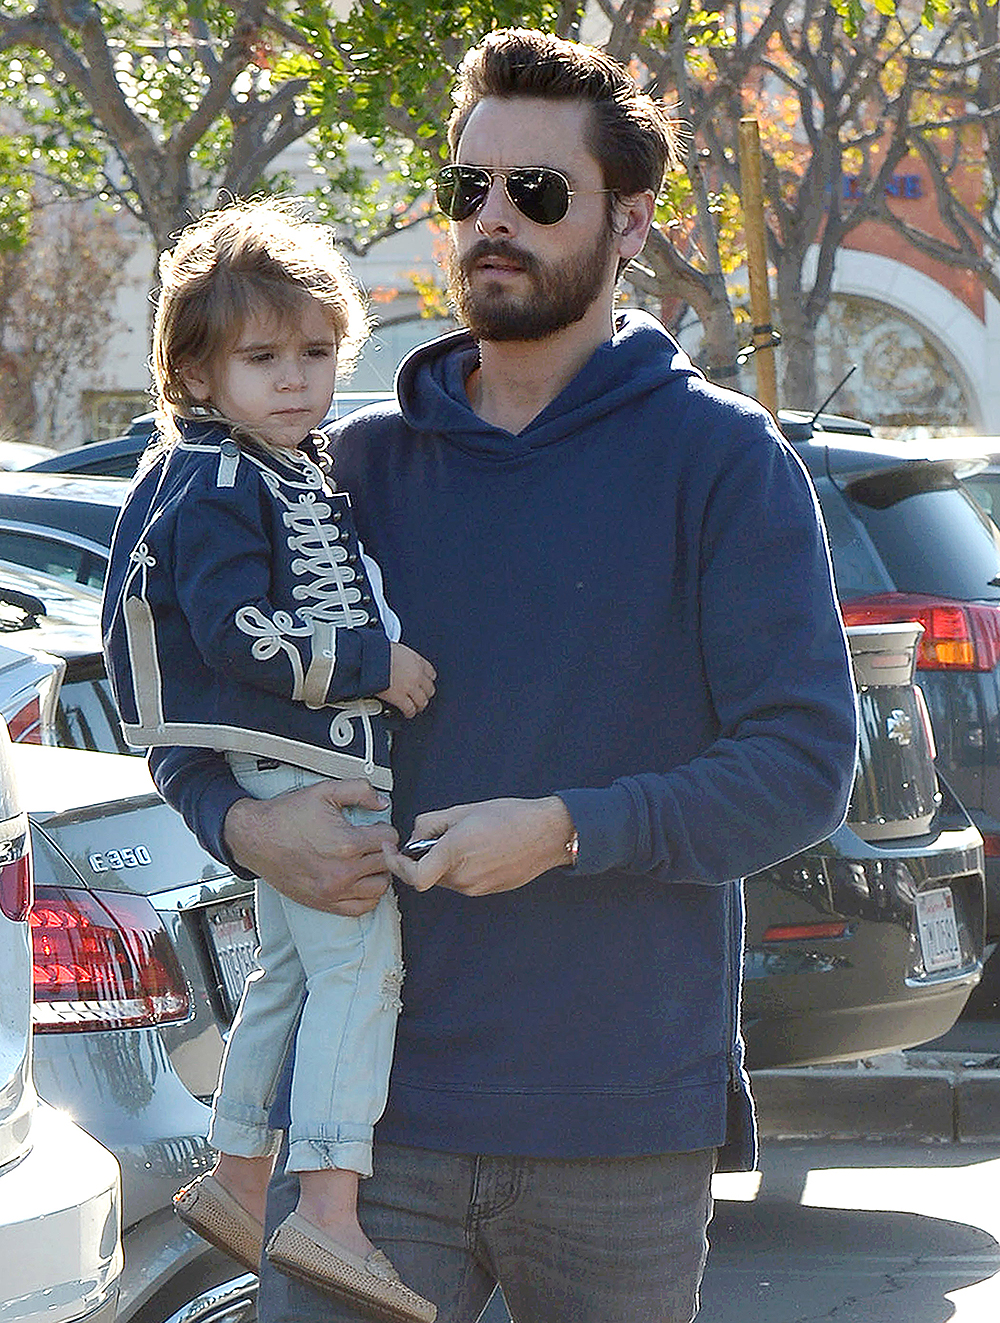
(153, 108)
(830, 88)
(955, 131)
(56, 295)
(162, 108)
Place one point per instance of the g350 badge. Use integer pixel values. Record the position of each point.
(129, 856)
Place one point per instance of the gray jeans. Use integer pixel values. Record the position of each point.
(609, 1240)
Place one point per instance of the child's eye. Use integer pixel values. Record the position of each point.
(264, 356)
(320, 351)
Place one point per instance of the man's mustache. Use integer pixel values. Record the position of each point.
(500, 248)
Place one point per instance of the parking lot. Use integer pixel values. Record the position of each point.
(860, 1232)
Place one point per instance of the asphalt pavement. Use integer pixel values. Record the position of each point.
(872, 1232)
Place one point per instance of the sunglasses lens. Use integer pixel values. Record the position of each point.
(461, 190)
(539, 193)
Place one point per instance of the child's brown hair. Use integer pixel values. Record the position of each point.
(244, 259)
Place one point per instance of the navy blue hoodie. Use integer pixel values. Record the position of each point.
(629, 604)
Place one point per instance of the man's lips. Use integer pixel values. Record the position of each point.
(498, 264)
(490, 259)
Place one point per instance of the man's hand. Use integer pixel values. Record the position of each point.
(411, 680)
(302, 845)
(498, 845)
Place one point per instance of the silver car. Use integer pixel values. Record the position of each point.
(141, 945)
(60, 1208)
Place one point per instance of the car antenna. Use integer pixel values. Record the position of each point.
(850, 371)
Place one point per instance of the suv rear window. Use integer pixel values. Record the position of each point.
(929, 535)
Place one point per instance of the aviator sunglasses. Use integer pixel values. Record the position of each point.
(537, 191)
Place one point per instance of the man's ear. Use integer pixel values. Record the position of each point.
(196, 379)
(633, 217)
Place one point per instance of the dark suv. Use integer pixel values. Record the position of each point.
(873, 939)
(909, 543)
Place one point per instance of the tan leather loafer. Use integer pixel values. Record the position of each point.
(209, 1209)
(370, 1283)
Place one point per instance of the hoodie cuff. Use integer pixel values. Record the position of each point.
(606, 827)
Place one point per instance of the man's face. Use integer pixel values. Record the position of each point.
(509, 277)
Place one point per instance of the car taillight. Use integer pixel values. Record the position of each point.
(804, 932)
(958, 636)
(991, 845)
(102, 960)
(15, 878)
(25, 726)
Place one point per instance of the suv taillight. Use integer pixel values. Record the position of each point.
(102, 960)
(958, 636)
(15, 878)
(25, 726)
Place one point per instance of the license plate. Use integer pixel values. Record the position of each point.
(232, 932)
(937, 929)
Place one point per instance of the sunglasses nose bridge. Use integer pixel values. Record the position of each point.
(496, 204)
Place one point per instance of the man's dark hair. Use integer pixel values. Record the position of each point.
(630, 134)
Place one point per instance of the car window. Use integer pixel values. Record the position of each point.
(52, 557)
(857, 569)
(87, 718)
(112, 466)
(985, 490)
(931, 537)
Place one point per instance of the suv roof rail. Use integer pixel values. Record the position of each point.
(799, 425)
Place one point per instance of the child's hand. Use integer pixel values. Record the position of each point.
(411, 680)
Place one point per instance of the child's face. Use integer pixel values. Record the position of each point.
(277, 379)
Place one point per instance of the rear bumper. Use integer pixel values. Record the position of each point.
(60, 1224)
(121, 1086)
(823, 999)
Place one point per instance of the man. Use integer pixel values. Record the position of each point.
(620, 576)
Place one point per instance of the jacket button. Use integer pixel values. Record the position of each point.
(229, 448)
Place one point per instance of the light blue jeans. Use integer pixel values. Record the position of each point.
(344, 975)
(584, 1240)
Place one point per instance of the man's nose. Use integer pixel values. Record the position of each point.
(497, 214)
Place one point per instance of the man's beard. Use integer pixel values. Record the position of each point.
(560, 293)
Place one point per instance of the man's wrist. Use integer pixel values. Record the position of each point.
(572, 849)
(239, 831)
(564, 835)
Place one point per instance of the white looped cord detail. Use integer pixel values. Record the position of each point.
(331, 595)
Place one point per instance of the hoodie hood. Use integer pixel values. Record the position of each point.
(641, 357)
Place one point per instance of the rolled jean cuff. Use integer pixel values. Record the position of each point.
(324, 1154)
(241, 1139)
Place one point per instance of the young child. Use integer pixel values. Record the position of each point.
(242, 614)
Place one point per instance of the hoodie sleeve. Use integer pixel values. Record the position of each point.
(198, 784)
(778, 776)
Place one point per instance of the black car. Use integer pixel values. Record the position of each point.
(119, 457)
(839, 962)
(59, 524)
(910, 543)
(875, 936)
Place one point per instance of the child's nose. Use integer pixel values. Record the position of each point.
(292, 374)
